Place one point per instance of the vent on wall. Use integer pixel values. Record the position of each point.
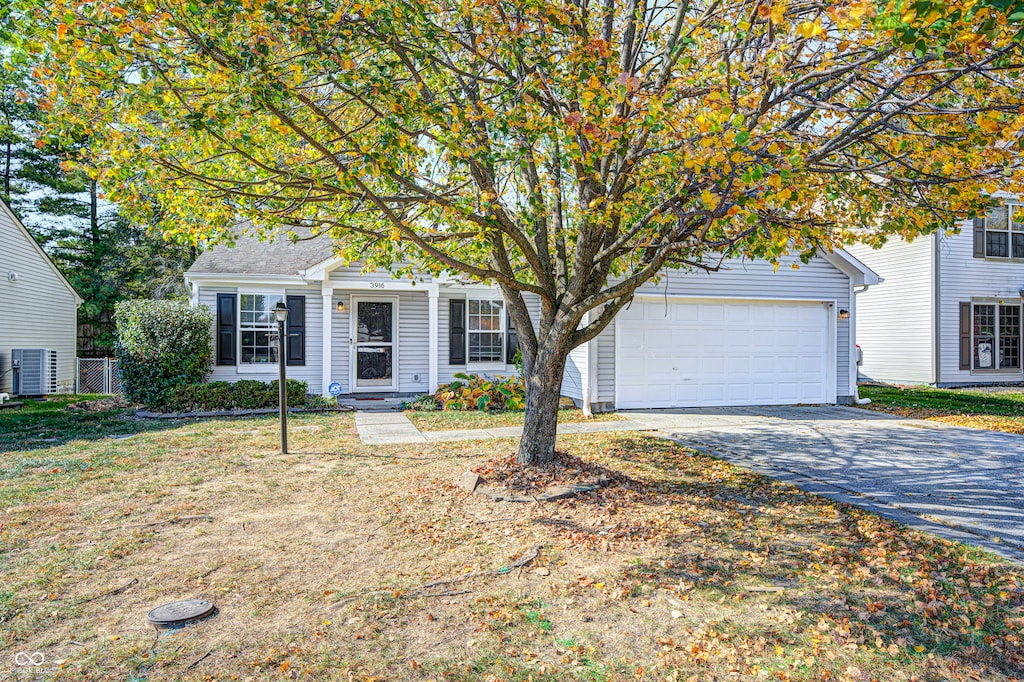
(35, 371)
(12, 277)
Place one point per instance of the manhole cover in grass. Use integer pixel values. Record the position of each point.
(179, 613)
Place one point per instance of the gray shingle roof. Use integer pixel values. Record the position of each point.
(278, 256)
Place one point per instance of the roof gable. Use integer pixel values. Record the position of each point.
(277, 255)
(20, 227)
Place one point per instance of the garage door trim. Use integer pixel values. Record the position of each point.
(831, 387)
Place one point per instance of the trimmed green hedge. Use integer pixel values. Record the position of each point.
(246, 394)
(160, 347)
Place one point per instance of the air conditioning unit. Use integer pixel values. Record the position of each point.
(35, 371)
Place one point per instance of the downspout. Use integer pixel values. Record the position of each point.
(936, 310)
(857, 400)
(585, 388)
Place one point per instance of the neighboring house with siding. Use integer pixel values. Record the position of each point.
(38, 307)
(746, 335)
(949, 311)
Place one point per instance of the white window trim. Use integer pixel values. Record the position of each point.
(490, 365)
(1011, 209)
(997, 370)
(249, 367)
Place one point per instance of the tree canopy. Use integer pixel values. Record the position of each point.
(571, 150)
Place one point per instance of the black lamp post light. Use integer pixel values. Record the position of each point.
(281, 315)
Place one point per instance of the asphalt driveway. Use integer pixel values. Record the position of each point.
(963, 484)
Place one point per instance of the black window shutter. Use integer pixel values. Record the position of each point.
(457, 331)
(296, 330)
(226, 329)
(979, 237)
(965, 336)
(511, 342)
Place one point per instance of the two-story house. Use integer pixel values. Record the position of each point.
(949, 310)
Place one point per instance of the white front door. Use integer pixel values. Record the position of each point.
(374, 343)
(723, 353)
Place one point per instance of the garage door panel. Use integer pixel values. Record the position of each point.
(685, 312)
(722, 354)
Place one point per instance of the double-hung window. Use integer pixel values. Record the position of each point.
(996, 336)
(486, 330)
(257, 328)
(1003, 232)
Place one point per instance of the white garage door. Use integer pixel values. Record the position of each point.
(721, 353)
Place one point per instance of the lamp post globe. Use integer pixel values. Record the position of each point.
(281, 315)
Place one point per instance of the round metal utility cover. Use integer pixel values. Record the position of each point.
(179, 613)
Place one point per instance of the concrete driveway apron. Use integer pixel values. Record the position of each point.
(962, 484)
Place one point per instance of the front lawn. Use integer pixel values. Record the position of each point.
(349, 562)
(446, 420)
(998, 409)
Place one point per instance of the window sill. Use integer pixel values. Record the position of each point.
(1003, 372)
(259, 368)
(1001, 259)
(477, 367)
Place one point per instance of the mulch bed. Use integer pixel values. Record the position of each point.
(565, 470)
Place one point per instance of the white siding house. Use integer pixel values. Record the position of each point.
(38, 307)
(949, 311)
(746, 335)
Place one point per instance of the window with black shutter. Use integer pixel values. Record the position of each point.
(296, 346)
(1000, 234)
(965, 336)
(457, 331)
(512, 343)
(226, 340)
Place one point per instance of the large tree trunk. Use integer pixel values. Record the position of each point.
(543, 390)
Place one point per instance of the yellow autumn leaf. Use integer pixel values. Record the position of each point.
(810, 29)
(708, 198)
(858, 10)
(778, 13)
(989, 124)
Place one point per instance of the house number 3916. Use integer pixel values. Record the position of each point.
(376, 285)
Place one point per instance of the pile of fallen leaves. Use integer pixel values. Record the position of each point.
(992, 422)
(100, 404)
(564, 470)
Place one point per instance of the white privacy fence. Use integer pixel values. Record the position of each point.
(97, 375)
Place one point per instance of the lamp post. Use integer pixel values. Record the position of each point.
(281, 314)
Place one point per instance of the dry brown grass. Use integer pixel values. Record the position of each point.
(316, 559)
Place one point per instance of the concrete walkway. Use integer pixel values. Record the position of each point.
(958, 483)
(393, 428)
(387, 428)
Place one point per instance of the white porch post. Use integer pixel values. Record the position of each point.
(328, 318)
(432, 345)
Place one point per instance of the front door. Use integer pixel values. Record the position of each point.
(375, 344)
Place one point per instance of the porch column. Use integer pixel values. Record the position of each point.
(328, 318)
(432, 292)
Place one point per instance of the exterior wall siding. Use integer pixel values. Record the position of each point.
(895, 320)
(37, 310)
(963, 277)
(575, 370)
(817, 280)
